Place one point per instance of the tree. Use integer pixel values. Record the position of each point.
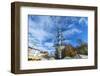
(82, 48)
(69, 51)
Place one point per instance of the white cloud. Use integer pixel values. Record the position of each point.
(72, 31)
(67, 41)
(38, 33)
(49, 44)
(70, 26)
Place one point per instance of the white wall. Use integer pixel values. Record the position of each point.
(5, 33)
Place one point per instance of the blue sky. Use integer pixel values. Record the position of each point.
(42, 30)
